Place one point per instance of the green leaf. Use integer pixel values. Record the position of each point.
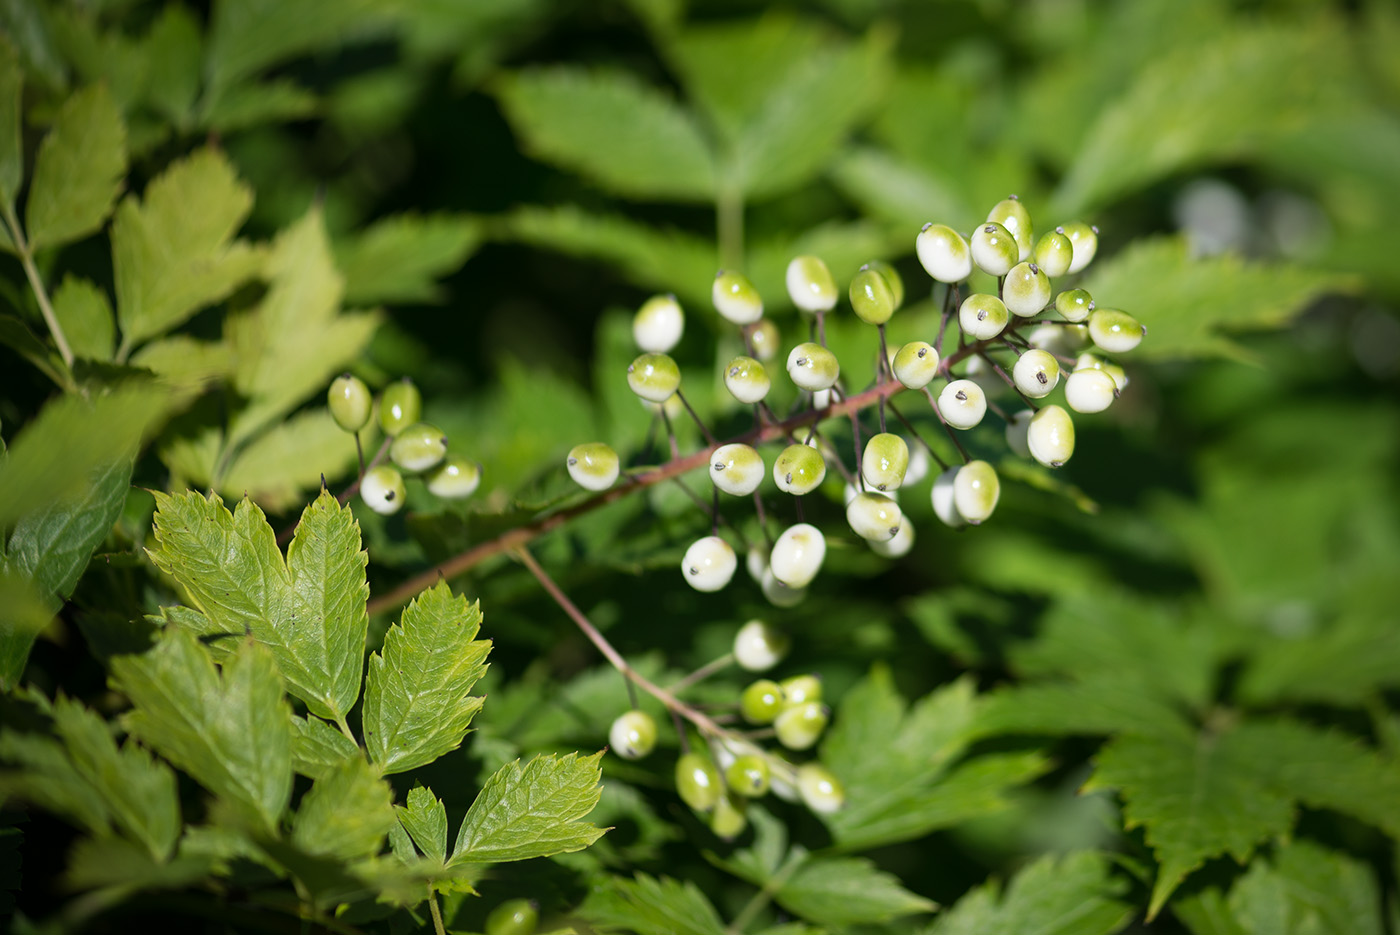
(25, 611)
(11, 151)
(52, 544)
(425, 819)
(172, 252)
(310, 612)
(317, 747)
(650, 906)
(417, 690)
(185, 362)
(85, 316)
(399, 259)
(1101, 704)
(173, 51)
(231, 732)
(840, 891)
(346, 814)
(124, 867)
(15, 333)
(281, 465)
(78, 172)
(899, 192)
(531, 811)
(242, 106)
(1192, 306)
(138, 790)
(1071, 894)
(623, 135)
(48, 778)
(1304, 890)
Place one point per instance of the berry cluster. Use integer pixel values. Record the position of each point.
(719, 776)
(1021, 326)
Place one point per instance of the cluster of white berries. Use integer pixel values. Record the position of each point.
(1041, 336)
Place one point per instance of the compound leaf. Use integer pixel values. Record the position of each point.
(85, 316)
(1303, 890)
(232, 731)
(279, 466)
(650, 906)
(78, 172)
(347, 812)
(52, 544)
(317, 747)
(531, 811)
(417, 701)
(11, 151)
(399, 258)
(24, 612)
(48, 778)
(425, 819)
(839, 891)
(1057, 895)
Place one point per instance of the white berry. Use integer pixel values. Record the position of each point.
(735, 298)
(1086, 243)
(1114, 331)
(758, 647)
(813, 367)
(632, 735)
(1090, 391)
(982, 316)
(658, 325)
(810, 285)
(962, 404)
(915, 364)
(1036, 373)
(943, 253)
(873, 516)
(944, 505)
(798, 555)
(900, 545)
(382, 489)
(1026, 290)
(709, 564)
(994, 249)
(593, 465)
(885, 461)
(976, 490)
(736, 469)
(746, 379)
(1050, 436)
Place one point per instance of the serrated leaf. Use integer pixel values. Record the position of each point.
(346, 814)
(281, 465)
(1102, 704)
(248, 105)
(1057, 895)
(650, 906)
(173, 51)
(425, 819)
(317, 747)
(232, 731)
(124, 866)
(621, 134)
(1192, 306)
(16, 333)
(400, 258)
(1343, 665)
(173, 252)
(899, 192)
(25, 611)
(1307, 890)
(417, 690)
(48, 778)
(309, 611)
(182, 361)
(85, 316)
(531, 811)
(840, 891)
(78, 171)
(11, 152)
(52, 544)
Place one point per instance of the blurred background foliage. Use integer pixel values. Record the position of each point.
(501, 182)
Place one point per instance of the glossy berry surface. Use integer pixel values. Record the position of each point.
(821, 791)
(749, 776)
(350, 402)
(943, 253)
(873, 516)
(455, 478)
(764, 337)
(735, 298)
(382, 489)
(593, 465)
(813, 367)
(1050, 436)
(1026, 290)
(944, 503)
(1114, 331)
(728, 820)
(1074, 304)
(758, 647)
(709, 564)
(658, 325)
(1054, 252)
(800, 726)
(761, 702)
(976, 490)
(892, 279)
(800, 689)
(799, 470)
(513, 917)
(810, 284)
(736, 469)
(962, 404)
(899, 545)
(1011, 214)
(654, 377)
(982, 316)
(1036, 373)
(994, 249)
(915, 364)
(1016, 428)
(746, 379)
(1090, 391)
(798, 554)
(697, 781)
(871, 297)
(418, 447)
(1094, 362)
(1086, 244)
(400, 405)
(632, 735)
(885, 461)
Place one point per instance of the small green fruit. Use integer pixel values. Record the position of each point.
(729, 820)
(513, 917)
(736, 469)
(813, 367)
(765, 339)
(593, 465)
(1090, 391)
(1114, 331)
(994, 249)
(943, 253)
(820, 789)
(654, 377)
(976, 490)
(892, 279)
(799, 470)
(758, 647)
(871, 296)
(697, 781)
(900, 545)
(800, 689)
(799, 727)
(455, 478)
(915, 364)
(761, 702)
(1036, 373)
(873, 516)
(382, 489)
(1026, 290)
(1013, 216)
(797, 556)
(1074, 304)
(746, 379)
(884, 462)
(632, 735)
(735, 298)
(1085, 238)
(1050, 436)
(982, 316)
(1054, 252)
(400, 405)
(350, 402)
(810, 285)
(418, 447)
(658, 324)
(749, 776)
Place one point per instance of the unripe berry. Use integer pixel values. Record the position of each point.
(892, 279)
(915, 364)
(962, 404)
(976, 490)
(1050, 436)
(800, 726)
(709, 564)
(871, 297)
(1114, 331)
(758, 646)
(632, 735)
(981, 373)
(1090, 391)
(873, 516)
(658, 325)
(1013, 216)
(1074, 304)
(779, 594)
(697, 781)
(654, 377)
(943, 253)
(799, 470)
(1094, 362)
(885, 460)
(746, 379)
(382, 489)
(729, 820)
(455, 478)
(821, 791)
(350, 402)
(513, 917)
(1026, 290)
(918, 466)
(400, 405)
(1017, 428)
(764, 338)
(1057, 338)
(798, 555)
(749, 776)
(810, 285)
(813, 367)
(1036, 373)
(418, 447)
(994, 249)
(736, 469)
(800, 689)
(1086, 243)
(735, 298)
(1054, 252)
(945, 505)
(982, 316)
(898, 546)
(761, 702)
(593, 465)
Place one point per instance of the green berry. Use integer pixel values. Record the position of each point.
(976, 490)
(632, 735)
(418, 447)
(456, 477)
(1036, 373)
(994, 249)
(593, 465)
(1090, 391)
(799, 470)
(800, 689)
(1094, 362)
(1085, 238)
(797, 556)
(813, 367)
(728, 820)
(1013, 216)
(1026, 290)
(943, 253)
(962, 404)
(654, 377)
(658, 325)
(898, 546)
(1054, 252)
(871, 296)
(735, 298)
(821, 791)
(697, 781)
(382, 489)
(982, 316)
(884, 462)
(810, 285)
(1114, 331)
(892, 279)
(350, 402)
(873, 516)
(764, 338)
(746, 379)
(915, 364)
(1074, 304)
(799, 727)
(761, 702)
(945, 505)
(749, 776)
(400, 405)
(736, 469)
(1050, 436)
(1058, 338)
(513, 917)
(709, 564)
(758, 647)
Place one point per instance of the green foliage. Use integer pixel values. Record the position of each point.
(1069, 895)
(531, 811)
(78, 170)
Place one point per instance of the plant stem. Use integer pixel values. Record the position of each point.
(36, 282)
(437, 913)
(761, 899)
(702, 673)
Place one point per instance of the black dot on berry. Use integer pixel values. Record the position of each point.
(388, 495)
(927, 225)
(801, 361)
(1040, 375)
(962, 396)
(573, 461)
(1034, 268)
(982, 315)
(989, 229)
(923, 352)
(789, 477)
(1059, 230)
(719, 465)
